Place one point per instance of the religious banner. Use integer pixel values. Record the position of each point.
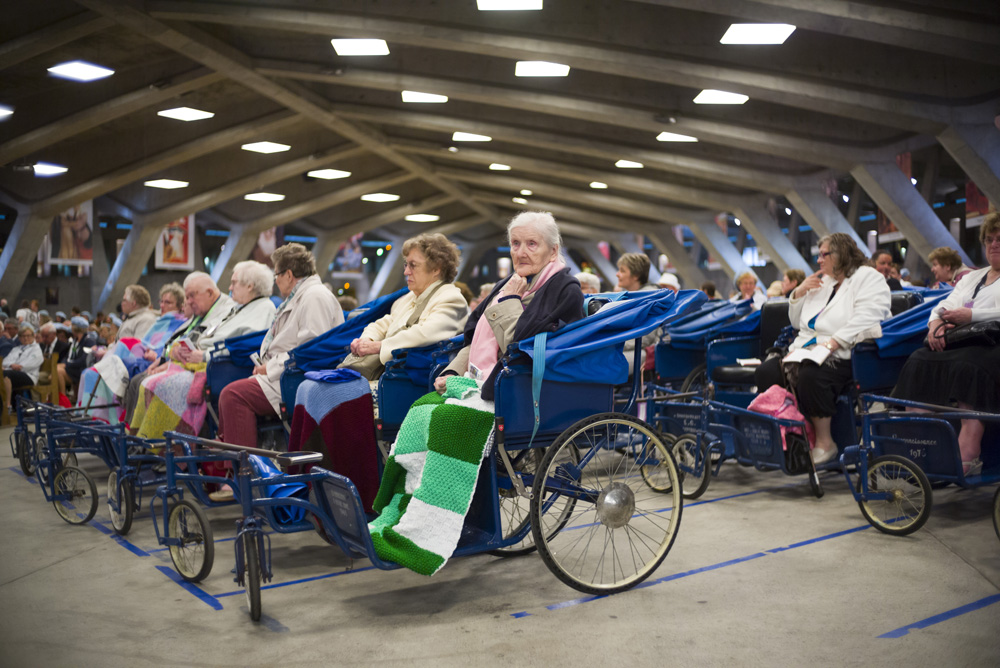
(71, 235)
(267, 242)
(175, 247)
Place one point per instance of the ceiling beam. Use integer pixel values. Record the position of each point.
(51, 37)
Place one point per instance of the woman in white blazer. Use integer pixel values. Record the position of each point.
(835, 308)
(308, 310)
(430, 266)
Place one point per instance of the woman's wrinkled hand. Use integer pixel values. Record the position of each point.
(517, 285)
(811, 283)
(367, 347)
(935, 334)
(956, 316)
(440, 383)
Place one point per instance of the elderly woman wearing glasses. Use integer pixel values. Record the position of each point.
(838, 306)
(22, 364)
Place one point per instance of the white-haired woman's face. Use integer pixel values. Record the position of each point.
(529, 251)
(241, 291)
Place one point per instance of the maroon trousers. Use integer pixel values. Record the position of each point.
(239, 405)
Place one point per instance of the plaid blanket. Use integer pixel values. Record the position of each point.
(171, 400)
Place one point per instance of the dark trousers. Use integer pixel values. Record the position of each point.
(818, 386)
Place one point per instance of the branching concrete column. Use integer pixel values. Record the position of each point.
(139, 246)
(889, 188)
(686, 266)
(764, 228)
(976, 148)
(390, 275)
(239, 245)
(604, 268)
(718, 244)
(823, 215)
(21, 249)
(325, 250)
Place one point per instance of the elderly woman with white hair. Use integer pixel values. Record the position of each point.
(22, 364)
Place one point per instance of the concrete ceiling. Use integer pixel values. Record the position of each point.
(855, 84)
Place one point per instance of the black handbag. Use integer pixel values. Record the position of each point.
(985, 333)
(798, 459)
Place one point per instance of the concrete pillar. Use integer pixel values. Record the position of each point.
(390, 275)
(325, 249)
(21, 249)
(239, 245)
(139, 246)
(889, 188)
(854, 207)
(99, 270)
(718, 244)
(976, 148)
(606, 270)
(764, 228)
(823, 215)
(687, 267)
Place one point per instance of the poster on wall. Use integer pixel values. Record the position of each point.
(175, 247)
(349, 254)
(71, 236)
(267, 242)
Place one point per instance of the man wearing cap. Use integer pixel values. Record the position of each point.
(138, 316)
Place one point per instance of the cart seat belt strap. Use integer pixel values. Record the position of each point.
(537, 374)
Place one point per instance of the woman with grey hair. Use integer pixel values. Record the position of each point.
(540, 296)
(22, 364)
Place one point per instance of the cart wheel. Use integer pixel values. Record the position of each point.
(194, 556)
(124, 499)
(22, 444)
(515, 510)
(81, 505)
(815, 485)
(697, 380)
(996, 512)
(689, 455)
(251, 574)
(910, 505)
(603, 500)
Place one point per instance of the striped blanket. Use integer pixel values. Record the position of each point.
(430, 477)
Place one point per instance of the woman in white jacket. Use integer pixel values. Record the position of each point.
(22, 364)
(835, 308)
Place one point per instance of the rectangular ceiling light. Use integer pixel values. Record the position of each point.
(264, 197)
(423, 218)
(167, 184)
(185, 114)
(360, 47)
(328, 174)
(711, 96)
(628, 164)
(265, 147)
(509, 5)
(499, 167)
(672, 136)
(597, 185)
(540, 68)
(49, 169)
(468, 136)
(79, 70)
(527, 193)
(379, 197)
(427, 98)
(757, 33)
(5, 111)
(518, 200)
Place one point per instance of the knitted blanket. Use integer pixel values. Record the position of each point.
(336, 419)
(430, 477)
(164, 403)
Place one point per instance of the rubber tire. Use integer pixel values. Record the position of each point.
(996, 512)
(922, 503)
(251, 575)
(686, 442)
(22, 443)
(698, 379)
(604, 446)
(82, 486)
(177, 526)
(121, 521)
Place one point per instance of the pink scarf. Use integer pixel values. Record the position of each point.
(485, 350)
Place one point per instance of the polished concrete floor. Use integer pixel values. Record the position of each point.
(761, 574)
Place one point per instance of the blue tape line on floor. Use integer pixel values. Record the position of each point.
(721, 564)
(17, 470)
(295, 582)
(134, 549)
(207, 598)
(943, 617)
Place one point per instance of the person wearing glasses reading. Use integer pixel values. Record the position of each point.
(833, 309)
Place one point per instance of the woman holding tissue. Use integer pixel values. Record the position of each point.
(835, 308)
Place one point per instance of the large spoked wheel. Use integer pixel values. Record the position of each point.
(697, 380)
(692, 459)
(909, 503)
(25, 453)
(76, 495)
(615, 528)
(251, 562)
(996, 512)
(121, 503)
(194, 556)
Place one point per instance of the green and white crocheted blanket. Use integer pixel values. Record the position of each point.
(430, 477)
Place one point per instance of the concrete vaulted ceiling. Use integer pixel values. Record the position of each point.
(855, 84)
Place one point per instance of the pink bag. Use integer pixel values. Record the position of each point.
(778, 402)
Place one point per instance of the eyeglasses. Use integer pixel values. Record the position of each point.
(825, 254)
(412, 266)
(989, 241)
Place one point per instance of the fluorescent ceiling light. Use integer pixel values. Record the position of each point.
(540, 68)
(468, 136)
(757, 33)
(265, 147)
(628, 164)
(711, 96)
(167, 184)
(49, 169)
(360, 47)
(429, 98)
(508, 5)
(185, 114)
(518, 200)
(597, 185)
(5, 111)
(379, 197)
(673, 136)
(78, 70)
(527, 193)
(264, 197)
(328, 174)
(422, 218)
(452, 149)
(498, 167)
